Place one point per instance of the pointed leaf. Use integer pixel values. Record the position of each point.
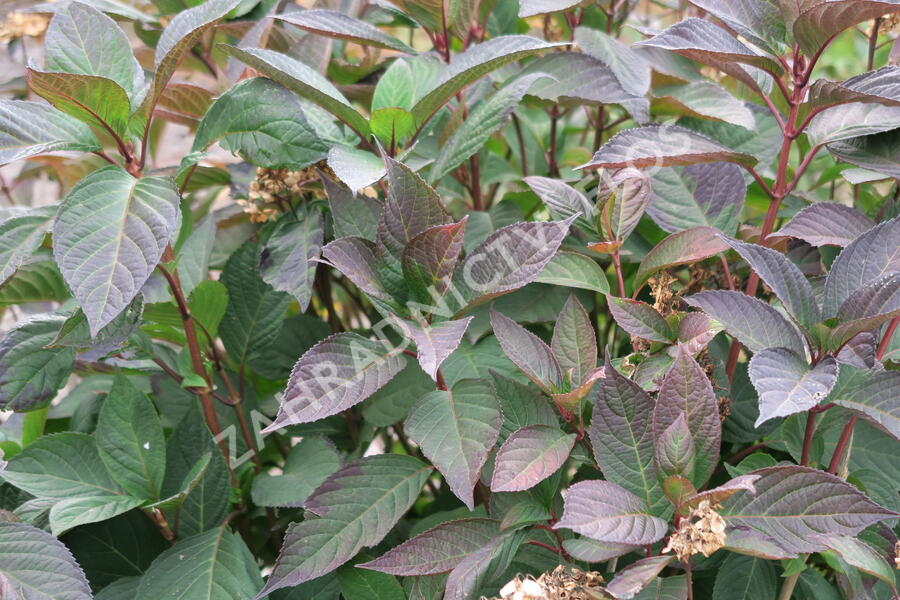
(827, 223)
(509, 258)
(529, 456)
(307, 465)
(34, 564)
(72, 512)
(719, 494)
(868, 257)
(874, 153)
(744, 577)
(709, 194)
(864, 557)
(264, 123)
(640, 319)
(471, 65)
(852, 120)
(879, 86)
(220, 567)
(674, 450)
(335, 374)
(871, 394)
(437, 550)
(703, 99)
(435, 342)
(109, 235)
(456, 430)
(288, 258)
(530, 8)
(629, 67)
(32, 128)
(31, 373)
(62, 465)
(792, 504)
(574, 342)
(680, 248)
(98, 101)
(528, 352)
(303, 80)
(603, 511)
(429, 259)
(866, 309)
(686, 390)
(562, 200)
(751, 321)
(355, 507)
(621, 432)
(663, 146)
(695, 331)
(355, 258)
(351, 215)
(626, 195)
(786, 384)
(784, 278)
(819, 20)
(636, 576)
(571, 269)
(332, 23)
(759, 21)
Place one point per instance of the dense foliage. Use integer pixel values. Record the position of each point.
(449, 299)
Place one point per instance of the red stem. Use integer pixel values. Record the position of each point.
(841, 445)
(886, 340)
(807, 437)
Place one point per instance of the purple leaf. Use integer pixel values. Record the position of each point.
(456, 430)
(562, 200)
(792, 504)
(818, 21)
(785, 383)
(528, 352)
(438, 550)
(468, 576)
(827, 223)
(509, 258)
(690, 245)
(355, 507)
(706, 194)
(625, 196)
(662, 146)
(412, 206)
(335, 374)
(879, 86)
(574, 342)
(332, 23)
(707, 43)
(34, 564)
(430, 258)
(864, 557)
(674, 450)
(873, 394)
(640, 319)
(19, 138)
(785, 279)
(751, 321)
(352, 215)
(696, 330)
(434, 342)
(21, 234)
(871, 255)
(859, 351)
(355, 258)
(605, 512)
(759, 22)
(621, 432)
(591, 551)
(636, 576)
(530, 455)
(866, 309)
(719, 494)
(686, 390)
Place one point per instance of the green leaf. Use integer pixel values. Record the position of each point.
(207, 304)
(363, 584)
(355, 507)
(744, 577)
(264, 123)
(703, 99)
(308, 464)
(182, 33)
(81, 40)
(62, 465)
(574, 341)
(690, 245)
(468, 67)
(338, 25)
(130, 440)
(429, 258)
(872, 394)
(37, 281)
(109, 235)
(220, 567)
(98, 101)
(572, 269)
(289, 257)
(699, 195)
(32, 128)
(628, 66)
(303, 80)
(486, 118)
(354, 167)
(456, 430)
(352, 215)
(72, 512)
(640, 319)
(391, 403)
(253, 316)
(34, 564)
(20, 235)
(30, 374)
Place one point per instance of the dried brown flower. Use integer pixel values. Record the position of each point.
(702, 532)
(564, 583)
(19, 24)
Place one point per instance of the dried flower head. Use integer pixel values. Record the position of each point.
(19, 25)
(897, 555)
(702, 532)
(564, 583)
